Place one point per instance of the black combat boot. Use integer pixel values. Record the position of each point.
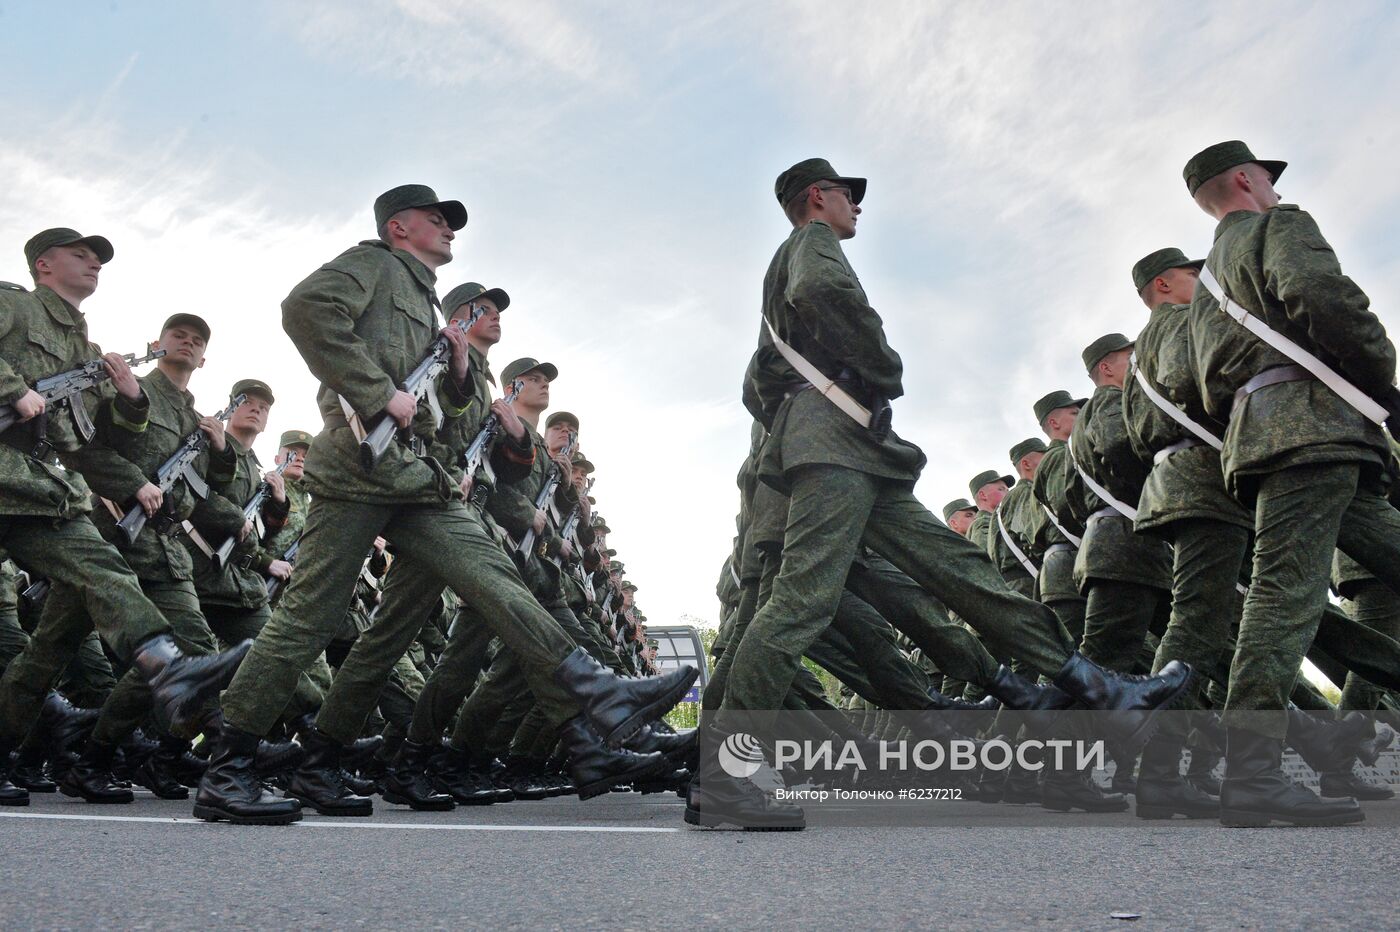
(182, 685)
(230, 790)
(1161, 790)
(1255, 791)
(360, 753)
(1133, 700)
(65, 725)
(1200, 773)
(715, 798)
(10, 795)
(27, 769)
(320, 783)
(522, 776)
(408, 784)
(1341, 783)
(1021, 695)
(277, 757)
(616, 706)
(596, 768)
(1064, 790)
(132, 752)
(90, 777)
(159, 772)
(1124, 763)
(1327, 744)
(681, 750)
(452, 772)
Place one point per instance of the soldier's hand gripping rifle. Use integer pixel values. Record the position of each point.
(179, 467)
(471, 460)
(251, 512)
(422, 385)
(527, 543)
(63, 391)
(571, 525)
(274, 584)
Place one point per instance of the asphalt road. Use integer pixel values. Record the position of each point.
(627, 861)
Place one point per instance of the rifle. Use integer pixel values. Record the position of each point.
(571, 524)
(63, 391)
(179, 466)
(250, 513)
(35, 593)
(527, 543)
(489, 428)
(274, 585)
(419, 384)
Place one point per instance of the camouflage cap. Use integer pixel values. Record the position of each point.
(406, 196)
(562, 417)
(193, 321)
(516, 368)
(579, 461)
(1221, 157)
(1155, 263)
(470, 291)
(1029, 445)
(808, 172)
(252, 387)
(615, 566)
(295, 438)
(986, 478)
(627, 584)
(1054, 401)
(1108, 343)
(600, 525)
(955, 506)
(45, 240)
(610, 553)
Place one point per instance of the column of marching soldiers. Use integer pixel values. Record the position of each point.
(418, 602)
(1167, 541)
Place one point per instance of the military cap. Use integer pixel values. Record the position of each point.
(42, 242)
(1054, 401)
(470, 291)
(615, 566)
(986, 478)
(955, 506)
(516, 368)
(1222, 157)
(808, 172)
(1029, 445)
(578, 459)
(628, 584)
(561, 417)
(193, 321)
(417, 195)
(252, 387)
(1155, 263)
(295, 438)
(599, 524)
(1108, 343)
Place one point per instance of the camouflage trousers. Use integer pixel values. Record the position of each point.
(1301, 514)
(232, 625)
(86, 680)
(1118, 616)
(833, 510)
(452, 541)
(1378, 608)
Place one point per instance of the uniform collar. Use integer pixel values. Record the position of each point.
(157, 379)
(424, 275)
(1232, 218)
(480, 363)
(59, 309)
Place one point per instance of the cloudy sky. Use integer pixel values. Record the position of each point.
(618, 161)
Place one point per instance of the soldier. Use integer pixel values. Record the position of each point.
(46, 528)
(988, 489)
(362, 322)
(293, 444)
(1061, 534)
(1294, 375)
(850, 480)
(959, 515)
(1010, 538)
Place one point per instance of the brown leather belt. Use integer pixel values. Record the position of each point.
(1290, 372)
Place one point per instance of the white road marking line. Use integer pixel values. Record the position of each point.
(351, 824)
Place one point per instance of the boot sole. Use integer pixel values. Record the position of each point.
(1070, 807)
(446, 805)
(337, 813)
(599, 787)
(1167, 812)
(14, 801)
(704, 820)
(647, 713)
(101, 800)
(1236, 818)
(211, 814)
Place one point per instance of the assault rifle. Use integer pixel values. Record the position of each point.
(274, 585)
(64, 391)
(571, 524)
(180, 466)
(527, 543)
(420, 384)
(471, 460)
(250, 513)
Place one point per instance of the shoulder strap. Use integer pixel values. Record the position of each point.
(1324, 373)
(1123, 508)
(1170, 409)
(1077, 541)
(834, 393)
(1016, 552)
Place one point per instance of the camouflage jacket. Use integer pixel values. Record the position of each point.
(980, 530)
(1111, 550)
(512, 505)
(1188, 483)
(362, 322)
(41, 335)
(1055, 485)
(1013, 513)
(298, 499)
(1278, 266)
(240, 583)
(814, 300)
